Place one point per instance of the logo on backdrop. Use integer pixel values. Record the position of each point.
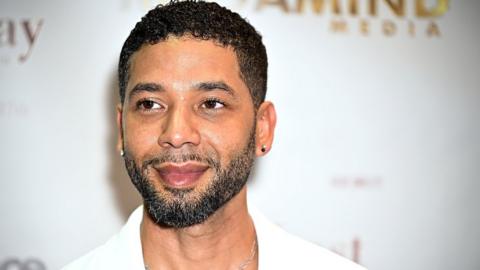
(351, 249)
(357, 182)
(364, 17)
(387, 17)
(18, 38)
(17, 264)
(13, 109)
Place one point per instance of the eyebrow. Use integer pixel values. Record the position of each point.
(218, 85)
(203, 86)
(145, 87)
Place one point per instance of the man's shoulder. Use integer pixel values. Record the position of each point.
(279, 249)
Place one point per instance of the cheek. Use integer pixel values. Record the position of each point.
(215, 138)
(140, 138)
(228, 139)
(217, 143)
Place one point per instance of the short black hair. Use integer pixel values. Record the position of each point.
(204, 21)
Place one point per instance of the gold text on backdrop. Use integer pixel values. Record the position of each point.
(395, 19)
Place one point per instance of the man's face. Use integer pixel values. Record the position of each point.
(188, 129)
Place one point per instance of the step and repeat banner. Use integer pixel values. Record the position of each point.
(377, 150)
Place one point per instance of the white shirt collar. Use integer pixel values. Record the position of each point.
(131, 246)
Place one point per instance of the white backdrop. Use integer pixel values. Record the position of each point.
(376, 154)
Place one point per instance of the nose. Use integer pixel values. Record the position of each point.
(179, 129)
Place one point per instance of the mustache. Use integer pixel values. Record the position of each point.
(158, 159)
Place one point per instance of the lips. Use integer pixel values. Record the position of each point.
(181, 175)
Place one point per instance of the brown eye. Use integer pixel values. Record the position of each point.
(212, 104)
(148, 105)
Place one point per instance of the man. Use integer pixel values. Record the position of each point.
(192, 119)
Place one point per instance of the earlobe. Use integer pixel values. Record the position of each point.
(264, 148)
(266, 121)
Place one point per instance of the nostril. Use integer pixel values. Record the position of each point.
(178, 139)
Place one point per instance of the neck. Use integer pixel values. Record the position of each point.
(223, 241)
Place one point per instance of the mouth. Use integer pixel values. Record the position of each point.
(182, 175)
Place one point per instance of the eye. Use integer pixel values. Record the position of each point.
(212, 104)
(148, 105)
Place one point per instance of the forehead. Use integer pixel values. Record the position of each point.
(184, 60)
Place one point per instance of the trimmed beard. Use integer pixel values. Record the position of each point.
(186, 207)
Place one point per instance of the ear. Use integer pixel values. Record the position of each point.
(119, 110)
(266, 121)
